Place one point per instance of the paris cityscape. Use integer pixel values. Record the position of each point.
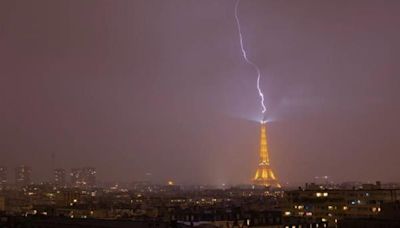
(219, 114)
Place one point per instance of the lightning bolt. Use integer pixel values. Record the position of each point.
(260, 93)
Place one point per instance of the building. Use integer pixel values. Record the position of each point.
(89, 176)
(331, 205)
(226, 217)
(67, 196)
(264, 174)
(75, 177)
(62, 222)
(59, 177)
(2, 203)
(83, 177)
(388, 217)
(3, 177)
(23, 176)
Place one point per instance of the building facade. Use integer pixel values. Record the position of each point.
(59, 177)
(23, 176)
(83, 177)
(3, 177)
(331, 205)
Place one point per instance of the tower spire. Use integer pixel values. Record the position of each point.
(264, 174)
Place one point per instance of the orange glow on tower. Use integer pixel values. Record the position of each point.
(264, 174)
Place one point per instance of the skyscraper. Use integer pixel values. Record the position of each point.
(83, 177)
(89, 176)
(264, 174)
(3, 177)
(75, 177)
(22, 176)
(59, 177)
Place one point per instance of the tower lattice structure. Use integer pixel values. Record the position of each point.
(264, 174)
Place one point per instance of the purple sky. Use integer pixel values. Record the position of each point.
(131, 87)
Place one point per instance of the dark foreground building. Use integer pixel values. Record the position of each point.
(332, 205)
(369, 223)
(388, 218)
(63, 222)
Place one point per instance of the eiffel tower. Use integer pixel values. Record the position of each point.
(264, 174)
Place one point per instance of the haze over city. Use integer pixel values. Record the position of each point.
(160, 87)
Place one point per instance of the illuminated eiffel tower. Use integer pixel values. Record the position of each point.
(264, 175)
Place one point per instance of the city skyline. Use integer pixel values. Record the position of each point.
(138, 89)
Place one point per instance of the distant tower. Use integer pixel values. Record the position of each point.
(53, 160)
(264, 175)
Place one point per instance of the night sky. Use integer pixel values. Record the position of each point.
(160, 87)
